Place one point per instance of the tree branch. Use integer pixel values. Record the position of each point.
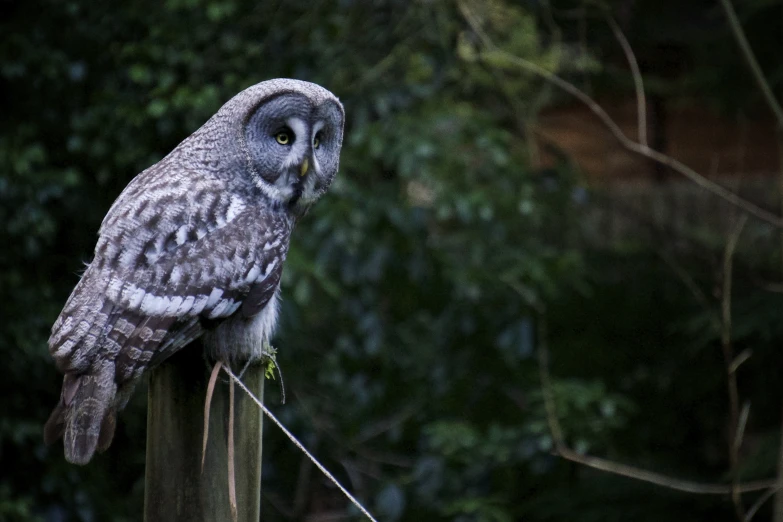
(562, 450)
(638, 82)
(750, 59)
(728, 358)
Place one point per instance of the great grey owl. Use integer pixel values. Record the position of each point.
(194, 246)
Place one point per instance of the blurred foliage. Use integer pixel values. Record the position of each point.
(412, 293)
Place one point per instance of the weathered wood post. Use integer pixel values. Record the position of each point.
(175, 487)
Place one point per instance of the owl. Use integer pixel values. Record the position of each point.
(193, 248)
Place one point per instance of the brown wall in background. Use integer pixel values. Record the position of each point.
(710, 143)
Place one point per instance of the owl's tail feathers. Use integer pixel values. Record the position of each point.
(85, 416)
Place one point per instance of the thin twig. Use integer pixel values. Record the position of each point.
(688, 281)
(658, 479)
(615, 130)
(760, 502)
(728, 359)
(298, 444)
(741, 425)
(777, 509)
(741, 358)
(562, 450)
(638, 83)
(750, 59)
(546, 387)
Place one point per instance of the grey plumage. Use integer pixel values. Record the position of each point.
(194, 245)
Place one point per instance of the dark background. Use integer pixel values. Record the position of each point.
(464, 219)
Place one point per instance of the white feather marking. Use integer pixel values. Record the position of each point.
(300, 132)
(160, 241)
(186, 305)
(234, 208)
(216, 294)
(155, 305)
(219, 310)
(182, 235)
(272, 192)
(298, 149)
(233, 308)
(252, 275)
(111, 250)
(114, 289)
(235, 338)
(272, 264)
(136, 296)
(174, 305)
(198, 305)
(176, 275)
(270, 245)
(128, 256)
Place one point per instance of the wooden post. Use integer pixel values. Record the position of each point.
(175, 487)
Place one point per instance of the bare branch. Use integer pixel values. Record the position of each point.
(638, 83)
(728, 359)
(688, 281)
(616, 131)
(750, 59)
(546, 387)
(760, 502)
(777, 510)
(686, 486)
(562, 450)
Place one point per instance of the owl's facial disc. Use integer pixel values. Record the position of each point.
(293, 148)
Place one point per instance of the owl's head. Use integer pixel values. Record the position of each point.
(291, 138)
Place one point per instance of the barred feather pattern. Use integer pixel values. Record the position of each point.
(194, 246)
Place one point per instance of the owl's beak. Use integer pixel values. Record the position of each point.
(304, 167)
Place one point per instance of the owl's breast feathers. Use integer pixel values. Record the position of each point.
(167, 260)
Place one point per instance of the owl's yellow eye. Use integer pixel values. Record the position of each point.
(283, 138)
(316, 142)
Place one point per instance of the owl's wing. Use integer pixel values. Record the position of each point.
(158, 271)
